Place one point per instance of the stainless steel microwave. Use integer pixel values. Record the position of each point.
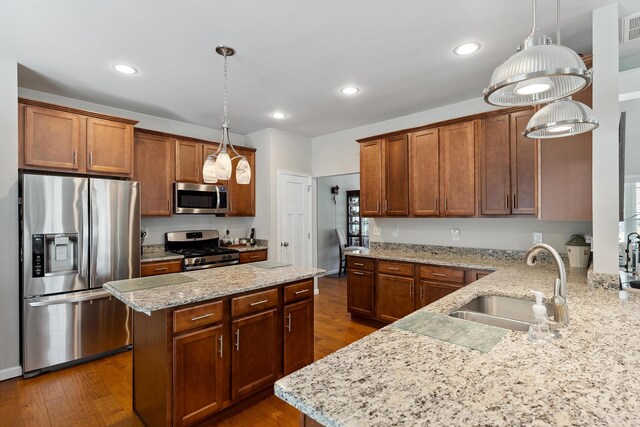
(199, 199)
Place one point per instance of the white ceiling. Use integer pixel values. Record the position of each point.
(292, 55)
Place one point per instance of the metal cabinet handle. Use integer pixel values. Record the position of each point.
(439, 274)
(162, 268)
(75, 157)
(386, 205)
(446, 204)
(259, 302)
(253, 256)
(289, 322)
(302, 291)
(358, 264)
(237, 339)
(421, 293)
(91, 158)
(204, 316)
(411, 290)
(358, 273)
(506, 201)
(220, 345)
(393, 268)
(515, 202)
(435, 203)
(377, 205)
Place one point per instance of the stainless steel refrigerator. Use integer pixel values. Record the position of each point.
(76, 234)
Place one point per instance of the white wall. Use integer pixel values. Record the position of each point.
(494, 233)
(9, 285)
(332, 216)
(605, 139)
(279, 151)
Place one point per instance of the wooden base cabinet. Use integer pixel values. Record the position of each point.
(192, 364)
(360, 288)
(394, 297)
(198, 374)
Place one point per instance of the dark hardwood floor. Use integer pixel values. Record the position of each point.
(99, 393)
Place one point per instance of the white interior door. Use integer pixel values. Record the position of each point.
(294, 193)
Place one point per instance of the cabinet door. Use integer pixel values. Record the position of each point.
(254, 362)
(394, 297)
(371, 178)
(188, 161)
(457, 169)
(109, 147)
(424, 175)
(566, 174)
(360, 292)
(298, 335)
(495, 166)
(433, 291)
(242, 197)
(198, 375)
(51, 138)
(153, 168)
(524, 166)
(396, 201)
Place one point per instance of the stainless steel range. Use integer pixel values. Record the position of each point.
(200, 249)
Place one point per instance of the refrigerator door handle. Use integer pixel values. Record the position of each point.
(43, 302)
(94, 238)
(84, 229)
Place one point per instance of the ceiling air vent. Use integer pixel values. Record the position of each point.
(631, 28)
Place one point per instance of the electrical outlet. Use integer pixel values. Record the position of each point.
(537, 238)
(395, 231)
(455, 234)
(377, 231)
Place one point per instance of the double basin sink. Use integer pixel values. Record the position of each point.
(500, 311)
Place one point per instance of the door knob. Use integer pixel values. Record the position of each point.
(285, 244)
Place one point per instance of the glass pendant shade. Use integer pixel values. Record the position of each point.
(561, 118)
(223, 166)
(243, 171)
(209, 171)
(539, 73)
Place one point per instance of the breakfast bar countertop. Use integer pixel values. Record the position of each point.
(398, 377)
(202, 285)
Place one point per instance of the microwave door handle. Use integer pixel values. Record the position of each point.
(218, 198)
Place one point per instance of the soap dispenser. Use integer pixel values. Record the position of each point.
(539, 327)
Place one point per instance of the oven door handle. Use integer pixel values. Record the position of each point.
(218, 264)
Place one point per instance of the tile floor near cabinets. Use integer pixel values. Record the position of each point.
(99, 393)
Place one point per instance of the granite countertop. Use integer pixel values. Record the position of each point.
(208, 284)
(159, 256)
(397, 377)
(257, 247)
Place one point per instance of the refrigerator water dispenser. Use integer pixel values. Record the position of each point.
(60, 254)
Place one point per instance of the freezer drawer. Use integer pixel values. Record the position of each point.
(63, 328)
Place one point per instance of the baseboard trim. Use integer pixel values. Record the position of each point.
(12, 372)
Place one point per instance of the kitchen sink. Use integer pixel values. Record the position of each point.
(500, 311)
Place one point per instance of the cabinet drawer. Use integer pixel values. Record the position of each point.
(195, 317)
(253, 303)
(358, 263)
(298, 291)
(441, 274)
(163, 267)
(253, 256)
(398, 268)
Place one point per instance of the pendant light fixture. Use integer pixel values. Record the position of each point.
(538, 73)
(218, 165)
(561, 118)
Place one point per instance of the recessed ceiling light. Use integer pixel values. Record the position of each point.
(467, 48)
(349, 90)
(278, 115)
(125, 69)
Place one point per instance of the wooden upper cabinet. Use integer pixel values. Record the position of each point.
(242, 197)
(457, 169)
(153, 168)
(566, 174)
(109, 147)
(396, 173)
(189, 161)
(57, 138)
(372, 170)
(424, 175)
(495, 166)
(51, 138)
(524, 166)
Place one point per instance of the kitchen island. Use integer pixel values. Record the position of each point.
(207, 342)
(399, 377)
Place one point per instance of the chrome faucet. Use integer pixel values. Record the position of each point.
(560, 308)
